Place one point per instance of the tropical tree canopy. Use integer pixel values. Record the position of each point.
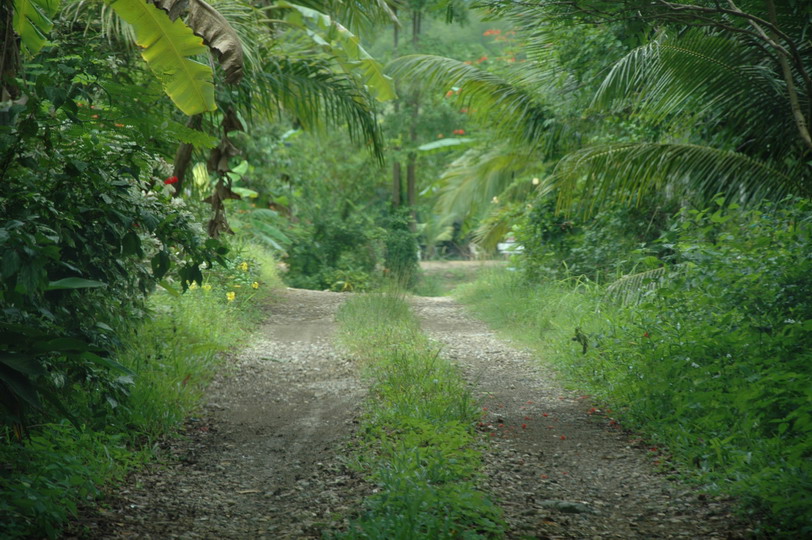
(702, 98)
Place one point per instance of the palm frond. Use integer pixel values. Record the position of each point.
(314, 95)
(496, 225)
(472, 181)
(359, 15)
(707, 79)
(249, 22)
(630, 171)
(515, 112)
(631, 288)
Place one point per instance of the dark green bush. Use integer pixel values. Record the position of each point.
(88, 228)
(600, 247)
(401, 248)
(333, 251)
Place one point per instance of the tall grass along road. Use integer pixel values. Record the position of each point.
(557, 466)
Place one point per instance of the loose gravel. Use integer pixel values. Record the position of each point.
(265, 457)
(557, 466)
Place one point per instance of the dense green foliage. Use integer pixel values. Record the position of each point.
(708, 355)
(90, 229)
(168, 358)
(417, 432)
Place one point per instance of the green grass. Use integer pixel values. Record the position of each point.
(417, 430)
(172, 354)
(442, 281)
(544, 317)
(729, 403)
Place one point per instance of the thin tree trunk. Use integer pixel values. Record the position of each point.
(396, 184)
(183, 156)
(9, 55)
(396, 34)
(411, 190)
(794, 103)
(411, 163)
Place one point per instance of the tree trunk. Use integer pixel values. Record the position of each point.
(411, 189)
(9, 55)
(411, 163)
(396, 184)
(183, 156)
(396, 34)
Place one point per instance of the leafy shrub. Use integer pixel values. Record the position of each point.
(88, 229)
(401, 248)
(717, 361)
(557, 245)
(333, 252)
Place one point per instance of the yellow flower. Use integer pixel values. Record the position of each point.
(230, 296)
(193, 285)
(244, 266)
(206, 287)
(255, 285)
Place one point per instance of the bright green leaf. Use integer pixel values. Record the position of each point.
(32, 21)
(167, 48)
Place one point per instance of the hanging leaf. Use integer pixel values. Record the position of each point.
(344, 45)
(32, 21)
(74, 283)
(167, 48)
(217, 33)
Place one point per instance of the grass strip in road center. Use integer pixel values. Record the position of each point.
(418, 430)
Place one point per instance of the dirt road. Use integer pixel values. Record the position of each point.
(266, 458)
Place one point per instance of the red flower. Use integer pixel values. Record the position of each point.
(171, 180)
(459, 132)
(645, 334)
(482, 59)
(524, 426)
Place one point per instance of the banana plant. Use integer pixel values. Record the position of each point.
(168, 44)
(32, 21)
